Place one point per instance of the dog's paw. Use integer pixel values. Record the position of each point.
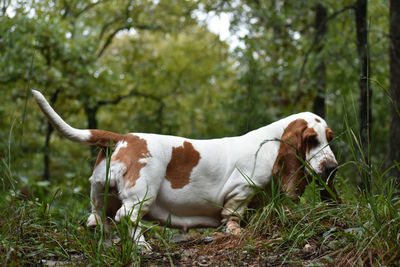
(144, 247)
(124, 211)
(93, 220)
(232, 227)
(234, 231)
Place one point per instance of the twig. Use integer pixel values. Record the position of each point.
(315, 40)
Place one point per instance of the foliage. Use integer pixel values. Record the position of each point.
(152, 66)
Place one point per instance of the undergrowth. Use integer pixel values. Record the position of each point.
(42, 225)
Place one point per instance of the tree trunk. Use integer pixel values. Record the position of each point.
(49, 131)
(92, 124)
(365, 88)
(394, 132)
(320, 71)
(46, 158)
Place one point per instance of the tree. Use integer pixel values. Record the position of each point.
(394, 133)
(289, 67)
(320, 71)
(184, 80)
(167, 67)
(70, 38)
(365, 111)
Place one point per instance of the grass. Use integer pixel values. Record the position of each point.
(360, 231)
(41, 225)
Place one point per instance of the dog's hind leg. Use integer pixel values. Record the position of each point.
(98, 188)
(99, 207)
(138, 198)
(96, 205)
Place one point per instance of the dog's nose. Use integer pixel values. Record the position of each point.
(330, 169)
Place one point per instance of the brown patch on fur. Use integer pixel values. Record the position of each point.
(183, 160)
(329, 134)
(130, 156)
(309, 139)
(113, 202)
(102, 138)
(100, 157)
(297, 139)
(317, 120)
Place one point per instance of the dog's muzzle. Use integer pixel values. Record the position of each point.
(329, 170)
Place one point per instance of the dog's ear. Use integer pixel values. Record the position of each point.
(287, 167)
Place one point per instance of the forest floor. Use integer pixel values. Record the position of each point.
(30, 235)
(361, 232)
(221, 249)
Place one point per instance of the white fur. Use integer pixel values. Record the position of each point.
(322, 152)
(218, 178)
(76, 135)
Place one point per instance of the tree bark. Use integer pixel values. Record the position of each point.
(394, 132)
(92, 124)
(49, 131)
(364, 84)
(46, 158)
(320, 71)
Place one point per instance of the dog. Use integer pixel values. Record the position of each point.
(189, 183)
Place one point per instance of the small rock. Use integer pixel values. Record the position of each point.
(208, 239)
(180, 238)
(202, 258)
(189, 252)
(308, 248)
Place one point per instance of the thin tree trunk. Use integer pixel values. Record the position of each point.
(320, 71)
(46, 158)
(92, 124)
(365, 88)
(394, 132)
(49, 131)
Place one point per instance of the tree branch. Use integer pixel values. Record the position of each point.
(89, 6)
(66, 9)
(5, 6)
(106, 25)
(122, 97)
(125, 27)
(314, 42)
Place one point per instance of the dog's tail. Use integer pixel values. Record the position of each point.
(93, 137)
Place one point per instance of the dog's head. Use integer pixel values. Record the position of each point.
(305, 141)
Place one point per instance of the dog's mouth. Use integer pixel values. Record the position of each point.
(327, 171)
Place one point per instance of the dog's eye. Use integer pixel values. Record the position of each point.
(312, 141)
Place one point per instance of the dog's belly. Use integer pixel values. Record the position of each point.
(186, 208)
(165, 217)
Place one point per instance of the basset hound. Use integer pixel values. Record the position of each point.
(191, 183)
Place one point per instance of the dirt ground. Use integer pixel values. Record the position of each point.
(221, 249)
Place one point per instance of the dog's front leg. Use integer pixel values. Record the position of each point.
(135, 211)
(233, 210)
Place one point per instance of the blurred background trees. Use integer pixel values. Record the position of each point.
(155, 66)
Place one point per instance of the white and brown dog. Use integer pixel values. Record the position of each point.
(186, 182)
